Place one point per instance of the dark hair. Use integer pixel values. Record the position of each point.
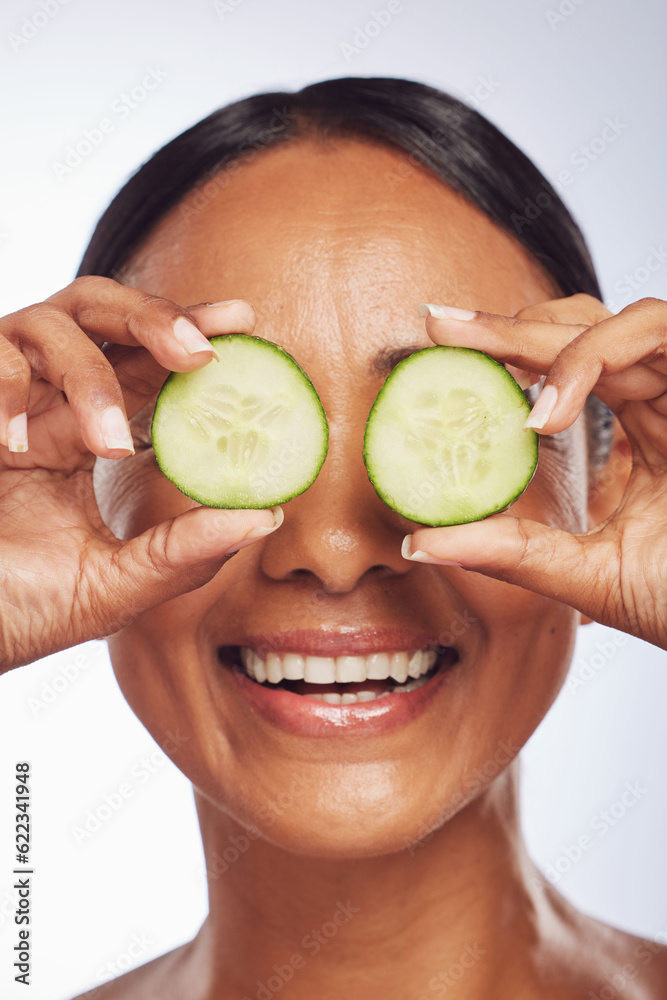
(450, 138)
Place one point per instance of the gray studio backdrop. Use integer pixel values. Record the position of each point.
(578, 84)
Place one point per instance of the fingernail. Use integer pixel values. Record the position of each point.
(419, 556)
(115, 430)
(520, 376)
(543, 408)
(259, 532)
(224, 302)
(17, 433)
(192, 339)
(444, 312)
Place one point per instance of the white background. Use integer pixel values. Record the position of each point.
(550, 81)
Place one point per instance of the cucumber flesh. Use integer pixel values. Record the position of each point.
(248, 431)
(444, 441)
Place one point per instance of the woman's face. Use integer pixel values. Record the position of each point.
(335, 248)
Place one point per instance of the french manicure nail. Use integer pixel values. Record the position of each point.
(115, 430)
(544, 407)
(259, 532)
(419, 556)
(445, 312)
(17, 433)
(192, 339)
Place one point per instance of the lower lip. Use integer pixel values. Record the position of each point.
(304, 716)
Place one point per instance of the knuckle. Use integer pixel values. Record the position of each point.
(657, 307)
(94, 283)
(147, 308)
(40, 312)
(90, 369)
(87, 287)
(15, 371)
(584, 299)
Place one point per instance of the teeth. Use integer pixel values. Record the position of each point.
(350, 669)
(340, 669)
(292, 667)
(377, 666)
(319, 669)
(274, 668)
(353, 699)
(398, 667)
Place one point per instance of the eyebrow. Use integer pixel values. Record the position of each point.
(386, 360)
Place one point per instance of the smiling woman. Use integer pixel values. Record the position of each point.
(352, 701)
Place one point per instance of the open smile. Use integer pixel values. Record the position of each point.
(311, 693)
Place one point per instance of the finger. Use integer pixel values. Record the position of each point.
(55, 349)
(527, 344)
(574, 356)
(109, 311)
(548, 561)
(232, 316)
(141, 376)
(573, 309)
(626, 351)
(178, 556)
(15, 380)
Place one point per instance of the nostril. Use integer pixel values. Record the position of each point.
(380, 569)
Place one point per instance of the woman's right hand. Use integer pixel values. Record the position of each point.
(64, 577)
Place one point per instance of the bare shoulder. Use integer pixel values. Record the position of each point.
(608, 962)
(163, 978)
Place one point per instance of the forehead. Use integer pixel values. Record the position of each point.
(336, 239)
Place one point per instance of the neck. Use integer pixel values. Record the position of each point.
(460, 904)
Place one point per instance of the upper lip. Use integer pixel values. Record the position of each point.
(341, 641)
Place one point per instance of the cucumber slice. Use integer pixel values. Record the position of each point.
(444, 441)
(248, 431)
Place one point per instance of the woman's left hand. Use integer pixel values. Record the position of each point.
(615, 573)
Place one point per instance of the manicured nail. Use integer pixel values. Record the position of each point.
(115, 430)
(17, 433)
(523, 378)
(259, 532)
(224, 302)
(444, 312)
(543, 408)
(191, 339)
(419, 556)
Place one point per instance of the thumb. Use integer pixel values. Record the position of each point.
(559, 565)
(177, 556)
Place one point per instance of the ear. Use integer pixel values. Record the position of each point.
(608, 484)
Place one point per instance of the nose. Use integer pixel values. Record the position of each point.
(338, 532)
